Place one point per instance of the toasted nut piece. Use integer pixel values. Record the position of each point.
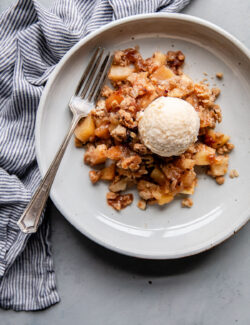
(147, 189)
(187, 203)
(233, 173)
(119, 201)
(219, 75)
(106, 91)
(95, 156)
(226, 148)
(140, 148)
(132, 163)
(175, 60)
(141, 204)
(216, 92)
(119, 133)
(220, 180)
(94, 176)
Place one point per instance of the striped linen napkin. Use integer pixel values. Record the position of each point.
(32, 41)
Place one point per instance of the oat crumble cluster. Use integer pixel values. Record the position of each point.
(110, 132)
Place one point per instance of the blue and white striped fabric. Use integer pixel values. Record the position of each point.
(32, 41)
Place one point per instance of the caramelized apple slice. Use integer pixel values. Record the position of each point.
(118, 73)
(159, 58)
(219, 167)
(189, 190)
(186, 163)
(158, 176)
(204, 156)
(165, 198)
(188, 178)
(78, 143)
(108, 173)
(113, 100)
(162, 73)
(216, 139)
(85, 129)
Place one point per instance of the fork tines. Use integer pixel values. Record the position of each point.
(94, 76)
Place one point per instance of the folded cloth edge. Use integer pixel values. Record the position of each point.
(34, 40)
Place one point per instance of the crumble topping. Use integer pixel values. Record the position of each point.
(110, 132)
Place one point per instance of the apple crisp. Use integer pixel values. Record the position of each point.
(110, 132)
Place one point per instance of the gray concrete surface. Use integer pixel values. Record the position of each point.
(99, 287)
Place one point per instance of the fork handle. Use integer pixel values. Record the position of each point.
(28, 223)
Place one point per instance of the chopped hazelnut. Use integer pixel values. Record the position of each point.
(219, 75)
(187, 203)
(220, 180)
(94, 176)
(119, 201)
(233, 173)
(141, 204)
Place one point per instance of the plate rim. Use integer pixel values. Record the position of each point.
(223, 236)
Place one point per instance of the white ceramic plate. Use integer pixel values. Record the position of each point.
(159, 232)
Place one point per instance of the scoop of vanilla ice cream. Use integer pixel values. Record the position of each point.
(168, 126)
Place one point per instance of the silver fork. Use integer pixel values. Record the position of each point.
(81, 103)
